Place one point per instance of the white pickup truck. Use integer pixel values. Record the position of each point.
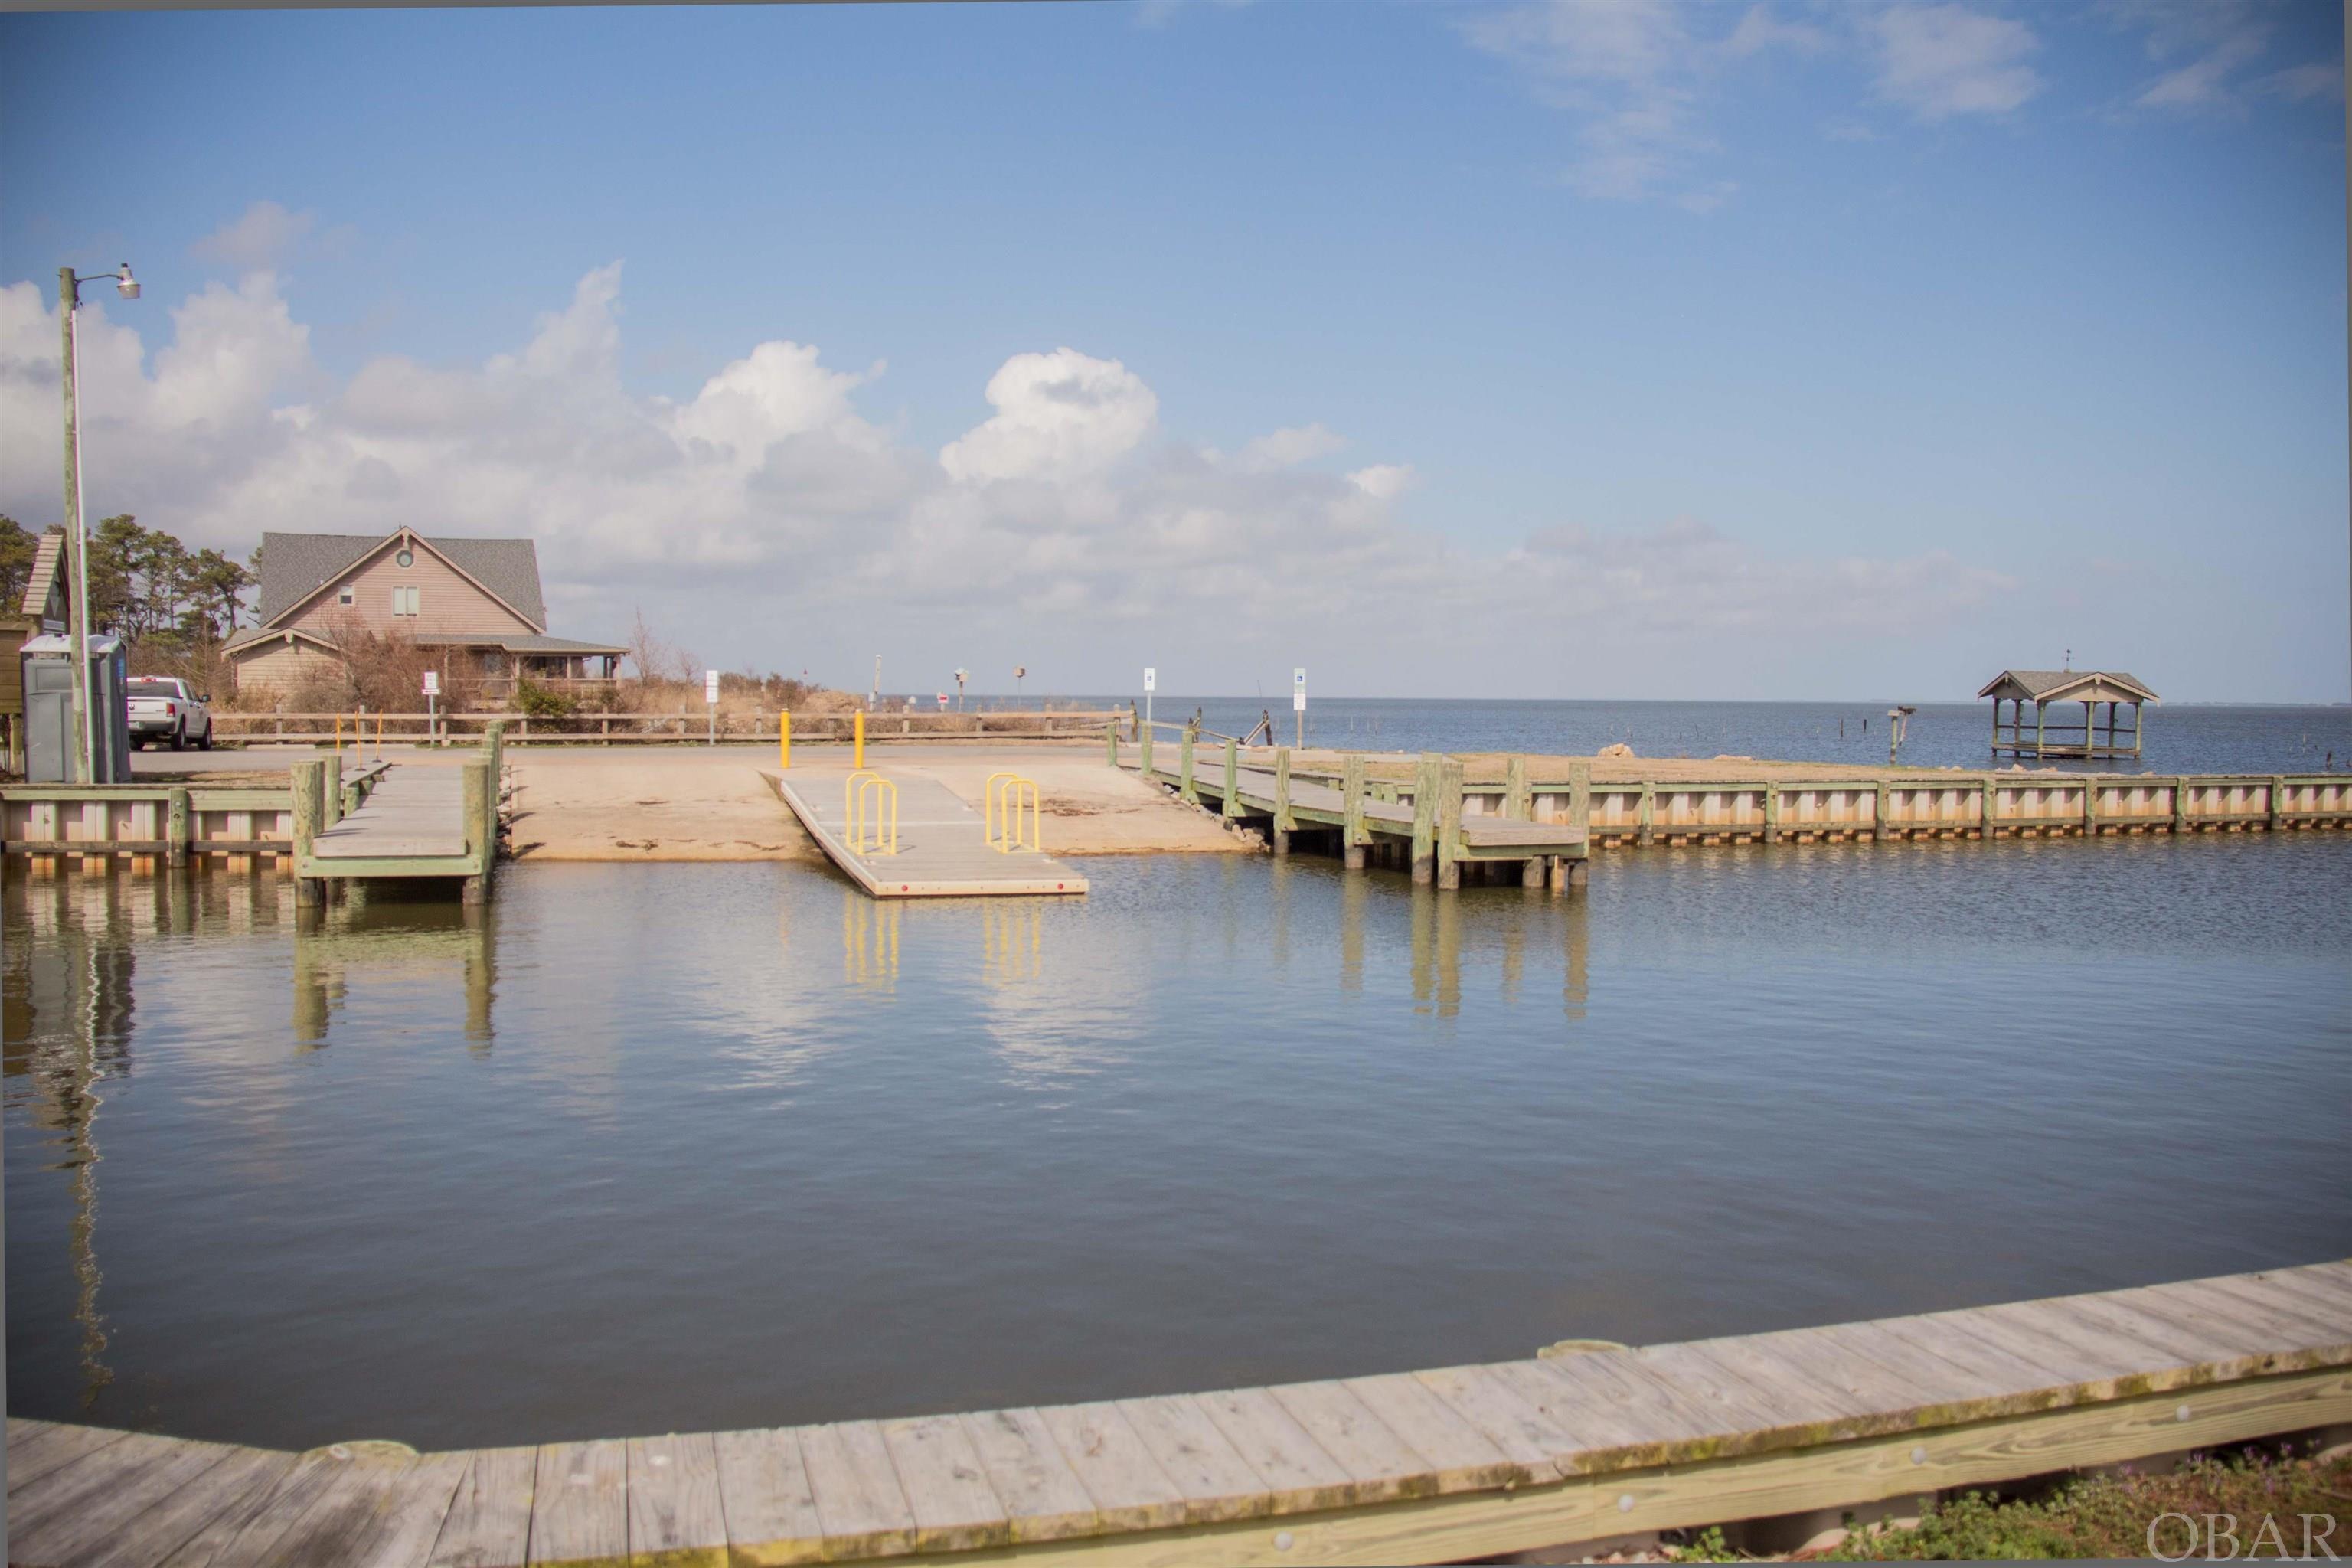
(164, 708)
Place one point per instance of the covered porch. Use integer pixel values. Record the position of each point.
(496, 666)
(2066, 739)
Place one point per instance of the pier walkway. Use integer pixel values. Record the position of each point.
(921, 842)
(1439, 1466)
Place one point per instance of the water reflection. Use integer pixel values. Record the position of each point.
(869, 941)
(382, 935)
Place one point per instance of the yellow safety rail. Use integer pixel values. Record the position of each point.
(869, 810)
(1002, 799)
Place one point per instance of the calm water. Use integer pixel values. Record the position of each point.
(2177, 740)
(701, 1146)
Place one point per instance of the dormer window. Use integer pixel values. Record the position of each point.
(406, 557)
(348, 595)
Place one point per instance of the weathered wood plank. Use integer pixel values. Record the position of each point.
(404, 1514)
(1216, 1481)
(73, 1510)
(1131, 1491)
(1510, 1422)
(488, 1522)
(674, 1516)
(764, 1491)
(858, 1498)
(1637, 1414)
(1299, 1476)
(946, 1488)
(1043, 1499)
(580, 1503)
(1460, 1456)
(1377, 1462)
(158, 1533)
(53, 1447)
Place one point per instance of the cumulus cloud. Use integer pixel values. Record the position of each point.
(1938, 62)
(769, 509)
(258, 240)
(1058, 416)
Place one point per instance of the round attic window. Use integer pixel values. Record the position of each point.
(406, 558)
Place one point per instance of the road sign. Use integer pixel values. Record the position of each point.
(943, 701)
(1298, 702)
(1298, 677)
(711, 686)
(1151, 678)
(432, 683)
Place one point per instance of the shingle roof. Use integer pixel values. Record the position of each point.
(48, 553)
(2037, 683)
(296, 565)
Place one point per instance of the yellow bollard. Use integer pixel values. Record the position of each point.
(784, 740)
(857, 743)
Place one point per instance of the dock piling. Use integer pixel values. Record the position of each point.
(479, 812)
(1424, 820)
(176, 831)
(310, 802)
(1352, 836)
(1232, 807)
(1449, 823)
(1184, 789)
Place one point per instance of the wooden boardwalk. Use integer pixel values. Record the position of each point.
(942, 845)
(1459, 1462)
(416, 813)
(417, 820)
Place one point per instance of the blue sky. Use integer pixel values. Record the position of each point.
(1613, 349)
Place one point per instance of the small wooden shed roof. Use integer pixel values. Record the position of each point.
(2067, 686)
(45, 588)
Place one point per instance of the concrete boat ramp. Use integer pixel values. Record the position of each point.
(914, 838)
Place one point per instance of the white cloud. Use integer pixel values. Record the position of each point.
(1941, 60)
(1060, 414)
(1383, 481)
(1295, 444)
(1636, 78)
(258, 240)
(2210, 51)
(768, 514)
(2321, 78)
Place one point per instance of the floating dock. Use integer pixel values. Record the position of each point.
(1458, 1463)
(914, 839)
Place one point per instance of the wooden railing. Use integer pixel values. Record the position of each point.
(692, 726)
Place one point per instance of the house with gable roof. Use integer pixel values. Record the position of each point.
(473, 604)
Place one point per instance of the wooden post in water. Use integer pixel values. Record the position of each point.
(176, 829)
(1233, 803)
(480, 805)
(1772, 811)
(1281, 819)
(1424, 820)
(1449, 823)
(1879, 831)
(2180, 805)
(309, 781)
(2278, 803)
(1647, 826)
(2091, 805)
(331, 796)
(1352, 836)
(1184, 789)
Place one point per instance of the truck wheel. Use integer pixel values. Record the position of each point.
(179, 739)
(207, 744)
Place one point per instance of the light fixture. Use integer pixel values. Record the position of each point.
(126, 285)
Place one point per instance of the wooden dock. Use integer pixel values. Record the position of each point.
(1431, 823)
(940, 848)
(1896, 805)
(1438, 1465)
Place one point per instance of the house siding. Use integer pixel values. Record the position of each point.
(448, 604)
(277, 667)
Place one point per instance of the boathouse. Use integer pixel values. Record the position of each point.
(2046, 687)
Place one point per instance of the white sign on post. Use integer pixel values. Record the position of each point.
(1299, 691)
(1151, 678)
(432, 683)
(711, 686)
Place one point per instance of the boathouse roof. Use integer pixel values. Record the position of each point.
(2068, 686)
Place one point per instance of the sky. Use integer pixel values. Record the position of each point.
(1604, 348)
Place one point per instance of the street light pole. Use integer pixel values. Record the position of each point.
(85, 769)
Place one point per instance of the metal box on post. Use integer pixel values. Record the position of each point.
(50, 742)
